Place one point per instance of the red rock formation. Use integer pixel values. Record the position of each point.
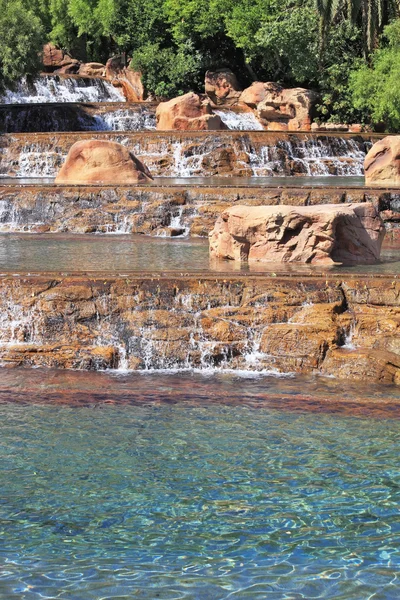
(327, 234)
(278, 108)
(382, 163)
(92, 69)
(222, 87)
(56, 60)
(125, 78)
(187, 113)
(100, 161)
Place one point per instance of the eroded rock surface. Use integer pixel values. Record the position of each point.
(101, 161)
(222, 87)
(350, 234)
(187, 112)
(56, 60)
(279, 108)
(347, 327)
(382, 163)
(125, 78)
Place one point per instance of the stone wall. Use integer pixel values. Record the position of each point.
(162, 210)
(342, 326)
(182, 154)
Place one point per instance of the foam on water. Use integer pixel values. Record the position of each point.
(62, 89)
(239, 121)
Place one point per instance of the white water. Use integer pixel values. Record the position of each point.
(239, 121)
(313, 157)
(125, 120)
(59, 89)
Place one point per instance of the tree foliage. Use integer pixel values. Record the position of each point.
(21, 39)
(376, 88)
(312, 43)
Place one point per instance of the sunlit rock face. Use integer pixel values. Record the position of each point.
(129, 81)
(222, 87)
(382, 163)
(101, 161)
(187, 112)
(279, 108)
(326, 234)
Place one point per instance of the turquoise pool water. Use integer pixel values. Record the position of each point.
(195, 487)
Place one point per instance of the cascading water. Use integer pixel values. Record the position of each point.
(239, 121)
(62, 89)
(312, 157)
(124, 120)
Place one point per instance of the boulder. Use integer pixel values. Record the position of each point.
(187, 113)
(253, 95)
(92, 69)
(382, 163)
(121, 76)
(222, 87)
(325, 234)
(56, 60)
(101, 161)
(281, 109)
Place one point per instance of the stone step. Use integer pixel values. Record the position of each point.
(188, 153)
(162, 210)
(282, 323)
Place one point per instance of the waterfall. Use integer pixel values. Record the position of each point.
(311, 157)
(62, 89)
(125, 120)
(239, 121)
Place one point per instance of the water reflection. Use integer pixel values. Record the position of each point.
(119, 253)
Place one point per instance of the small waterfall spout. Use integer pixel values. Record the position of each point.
(239, 121)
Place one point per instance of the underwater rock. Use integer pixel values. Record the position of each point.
(187, 112)
(382, 163)
(101, 161)
(326, 234)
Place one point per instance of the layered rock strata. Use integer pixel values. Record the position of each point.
(101, 161)
(159, 210)
(223, 153)
(326, 234)
(187, 112)
(347, 327)
(382, 163)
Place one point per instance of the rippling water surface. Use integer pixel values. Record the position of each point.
(199, 488)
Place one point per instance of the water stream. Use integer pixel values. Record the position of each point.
(62, 89)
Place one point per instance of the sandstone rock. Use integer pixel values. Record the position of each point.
(281, 109)
(253, 95)
(121, 76)
(187, 113)
(101, 161)
(363, 364)
(56, 60)
(92, 69)
(382, 163)
(326, 234)
(222, 87)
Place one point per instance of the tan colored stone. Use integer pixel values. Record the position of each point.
(325, 234)
(382, 163)
(55, 59)
(281, 109)
(129, 81)
(92, 69)
(187, 113)
(101, 161)
(222, 87)
(363, 365)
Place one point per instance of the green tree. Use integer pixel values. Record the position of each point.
(21, 40)
(375, 88)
